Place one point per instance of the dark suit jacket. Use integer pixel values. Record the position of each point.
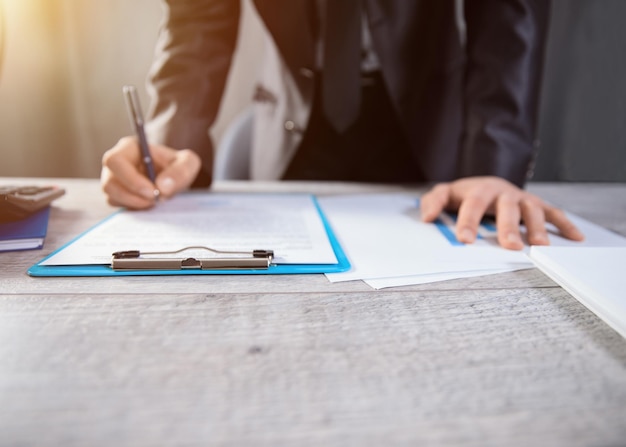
(467, 99)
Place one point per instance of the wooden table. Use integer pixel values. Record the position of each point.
(509, 359)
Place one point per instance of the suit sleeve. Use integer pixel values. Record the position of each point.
(186, 81)
(505, 50)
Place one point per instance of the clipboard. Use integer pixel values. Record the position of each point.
(264, 255)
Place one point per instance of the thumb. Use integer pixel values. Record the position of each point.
(179, 174)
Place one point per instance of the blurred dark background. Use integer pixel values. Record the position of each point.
(583, 113)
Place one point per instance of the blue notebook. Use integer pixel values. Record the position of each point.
(194, 220)
(25, 234)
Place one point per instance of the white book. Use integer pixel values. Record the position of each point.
(595, 276)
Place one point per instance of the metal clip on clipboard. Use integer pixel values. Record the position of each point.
(135, 260)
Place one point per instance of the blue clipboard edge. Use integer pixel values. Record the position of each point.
(342, 265)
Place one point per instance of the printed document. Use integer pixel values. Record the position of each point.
(288, 224)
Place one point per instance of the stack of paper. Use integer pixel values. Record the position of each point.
(388, 244)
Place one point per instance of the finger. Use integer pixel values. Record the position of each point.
(508, 221)
(534, 220)
(558, 218)
(471, 212)
(179, 174)
(434, 201)
(118, 195)
(124, 163)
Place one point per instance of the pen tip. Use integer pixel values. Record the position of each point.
(156, 193)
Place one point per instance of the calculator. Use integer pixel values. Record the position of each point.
(18, 202)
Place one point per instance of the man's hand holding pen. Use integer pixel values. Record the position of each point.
(124, 178)
(136, 174)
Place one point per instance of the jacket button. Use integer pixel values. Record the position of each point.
(290, 125)
(307, 72)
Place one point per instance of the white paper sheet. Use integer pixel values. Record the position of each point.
(383, 283)
(289, 224)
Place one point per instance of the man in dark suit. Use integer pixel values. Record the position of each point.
(360, 90)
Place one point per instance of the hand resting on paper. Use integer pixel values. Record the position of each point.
(473, 197)
(125, 184)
